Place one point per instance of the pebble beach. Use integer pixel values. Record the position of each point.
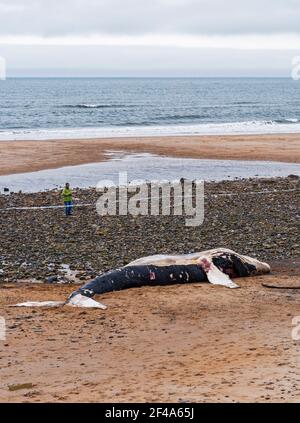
(258, 217)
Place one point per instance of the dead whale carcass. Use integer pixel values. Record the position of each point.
(216, 266)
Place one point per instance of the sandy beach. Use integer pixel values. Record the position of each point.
(27, 156)
(193, 343)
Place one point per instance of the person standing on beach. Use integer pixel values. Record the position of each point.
(67, 198)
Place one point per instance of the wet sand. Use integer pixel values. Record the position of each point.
(196, 342)
(27, 156)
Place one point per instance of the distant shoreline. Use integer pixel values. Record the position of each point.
(28, 156)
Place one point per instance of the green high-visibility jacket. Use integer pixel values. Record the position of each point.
(66, 194)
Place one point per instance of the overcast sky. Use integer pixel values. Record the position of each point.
(143, 37)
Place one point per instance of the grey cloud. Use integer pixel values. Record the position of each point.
(137, 17)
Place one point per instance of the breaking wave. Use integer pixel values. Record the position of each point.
(96, 106)
(289, 125)
(291, 120)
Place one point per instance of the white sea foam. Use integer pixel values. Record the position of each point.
(289, 125)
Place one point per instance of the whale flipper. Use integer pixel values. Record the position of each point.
(214, 275)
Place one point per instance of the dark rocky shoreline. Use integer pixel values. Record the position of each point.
(35, 243)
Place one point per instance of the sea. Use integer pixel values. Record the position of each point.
(70, 108)
(53, 108)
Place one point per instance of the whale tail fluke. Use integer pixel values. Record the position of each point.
(79, 300)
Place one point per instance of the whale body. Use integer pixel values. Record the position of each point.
(217, 266)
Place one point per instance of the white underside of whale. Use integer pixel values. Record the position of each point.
(185, 259)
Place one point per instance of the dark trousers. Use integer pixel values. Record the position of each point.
(68, 208)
